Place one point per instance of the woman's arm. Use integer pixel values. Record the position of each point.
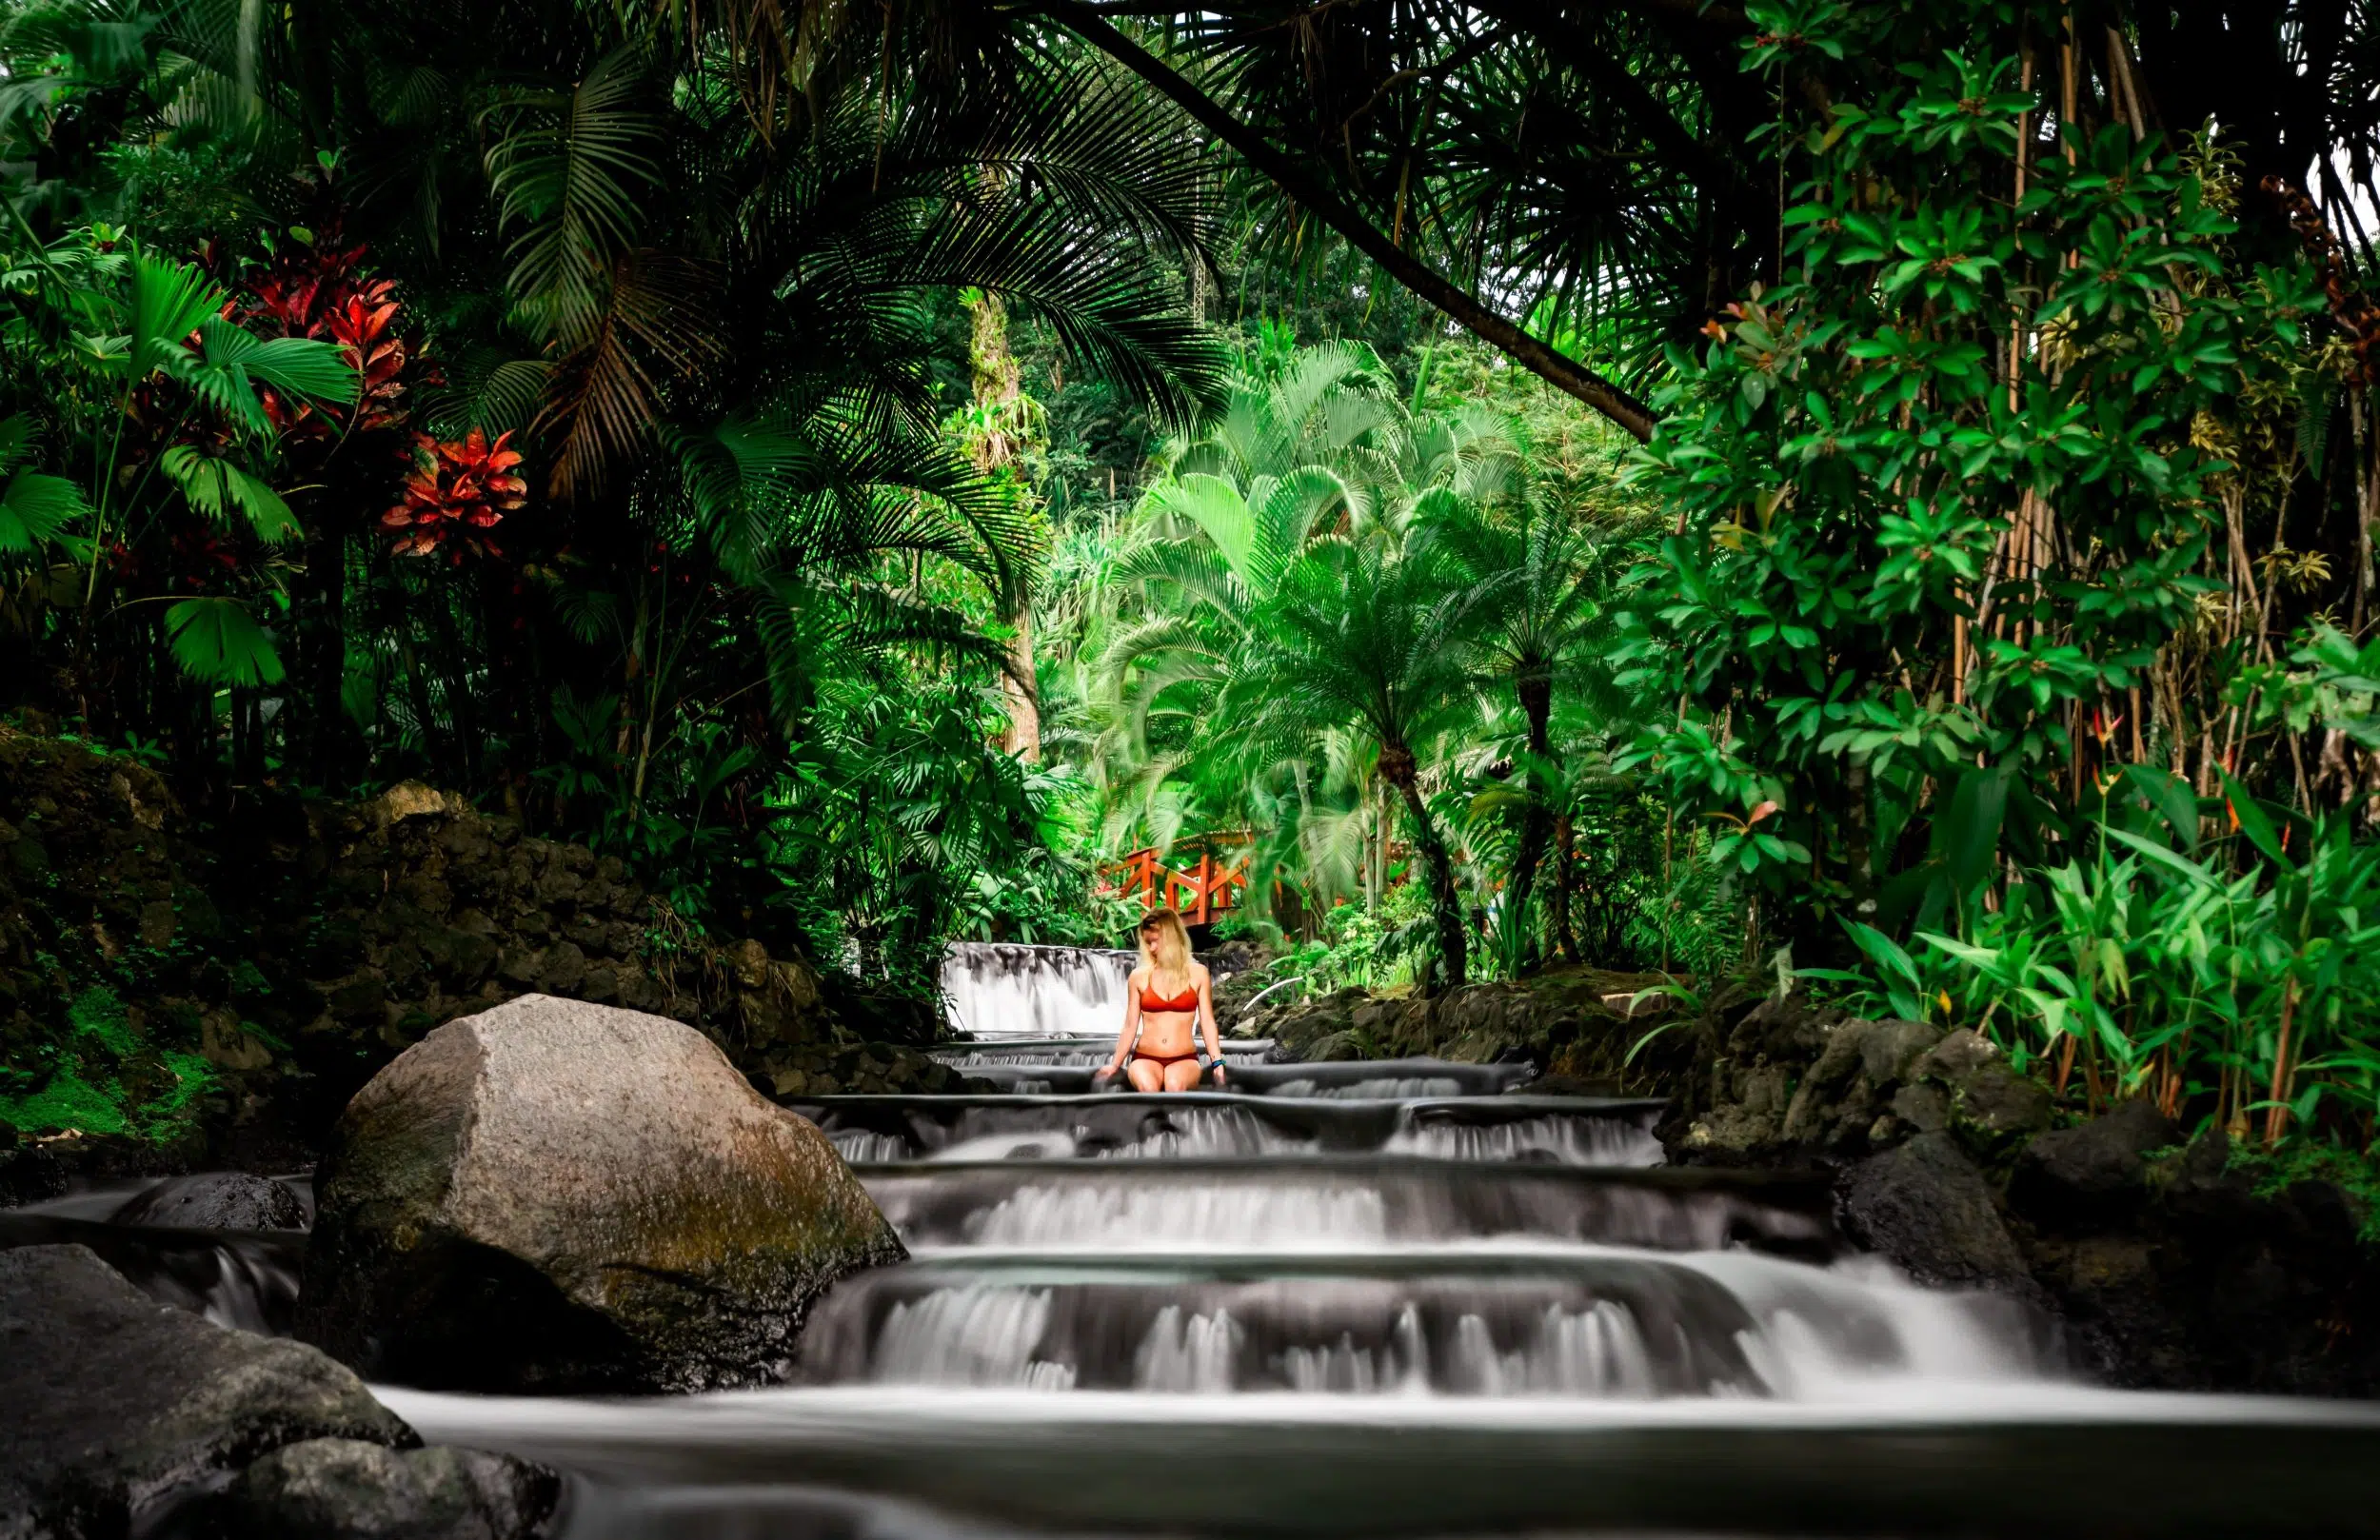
(1207, 1021)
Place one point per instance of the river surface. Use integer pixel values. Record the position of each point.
(1362, 1300)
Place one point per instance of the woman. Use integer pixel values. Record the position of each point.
(1167, 1000)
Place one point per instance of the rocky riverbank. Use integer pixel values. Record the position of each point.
(2165, 1260)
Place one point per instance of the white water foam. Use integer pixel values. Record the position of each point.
(1345, 1369)
(1597, 1351)
(995, 989)
(973, 1336)
(1569, 1142)
(1195, 1356)
(861, 1146)
(1085, 1216)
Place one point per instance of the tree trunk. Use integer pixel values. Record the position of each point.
(1000, 393)
(1564, 936)
(1454, 942)
(1536, 820)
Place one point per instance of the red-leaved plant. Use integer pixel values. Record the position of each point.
(456, 493)
(322, 292)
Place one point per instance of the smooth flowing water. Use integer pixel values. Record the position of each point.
(1374, 1300)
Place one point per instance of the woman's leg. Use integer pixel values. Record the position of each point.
(1183, 1075)
(1146, 1075)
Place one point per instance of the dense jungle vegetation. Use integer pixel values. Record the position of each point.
(1841, 488)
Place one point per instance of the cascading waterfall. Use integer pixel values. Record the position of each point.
(1350, 1300)
(996, 988)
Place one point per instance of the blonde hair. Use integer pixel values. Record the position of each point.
(1168, 958)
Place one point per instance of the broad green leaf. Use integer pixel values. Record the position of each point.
(294, 366)
(217, 641)
(2252, 821)
(36, 509)
(1970, 832)
(169, 301)
(215, 487)
(2171, 796)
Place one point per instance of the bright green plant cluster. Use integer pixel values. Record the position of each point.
(104, 1076)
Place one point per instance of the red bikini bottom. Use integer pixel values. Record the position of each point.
(1160, 1061)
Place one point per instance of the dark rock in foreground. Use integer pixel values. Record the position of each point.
(217, 1201)
(1926, 1208)
(339, 1489)
(559, 1197)
(111, 1404)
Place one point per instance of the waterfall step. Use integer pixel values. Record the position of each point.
(1127, 1125)
(1355, 1201)
(1633, 1327)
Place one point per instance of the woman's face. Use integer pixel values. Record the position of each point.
(1149, 934)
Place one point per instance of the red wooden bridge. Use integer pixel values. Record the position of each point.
(1199, 890)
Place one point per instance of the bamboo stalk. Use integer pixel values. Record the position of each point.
(2276, 1117)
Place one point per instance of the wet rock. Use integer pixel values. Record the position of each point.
(2093, 1171)
(341, 1489)
(1888, 1049)
(1926, 1208)
(217, 1201)
(1993, 1109)
(552, 1195)
(1924, 1108)
(117, 1404)
(1750, 1118)
(1839, 1094)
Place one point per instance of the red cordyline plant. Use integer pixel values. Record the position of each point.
(457, 492)
(321, 291)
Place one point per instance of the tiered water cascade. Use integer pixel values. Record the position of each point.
(1389, 1299)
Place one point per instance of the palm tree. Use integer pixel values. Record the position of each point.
(1530, 604)
(1358, 633)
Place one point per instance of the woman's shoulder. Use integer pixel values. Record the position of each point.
(1198, 972)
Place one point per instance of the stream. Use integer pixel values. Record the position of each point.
(1353, 1300)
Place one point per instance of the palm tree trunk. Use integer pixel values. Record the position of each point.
(1454, 942)
(1000, 390)
(1536, 819)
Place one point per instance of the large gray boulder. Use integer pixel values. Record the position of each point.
(113, 1405)
(552, 1195)
(1926, 1208)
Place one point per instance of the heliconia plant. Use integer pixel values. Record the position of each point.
(458, 491)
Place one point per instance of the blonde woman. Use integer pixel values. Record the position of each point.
(1168, 1000)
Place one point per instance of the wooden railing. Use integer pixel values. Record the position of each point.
(1200, 891)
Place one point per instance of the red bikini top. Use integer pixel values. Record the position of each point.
(1150, 1002)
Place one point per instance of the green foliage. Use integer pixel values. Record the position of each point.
(98, 1013)
(1857, 467)
(104, 1076)
(65, 1103)
(217, 640)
